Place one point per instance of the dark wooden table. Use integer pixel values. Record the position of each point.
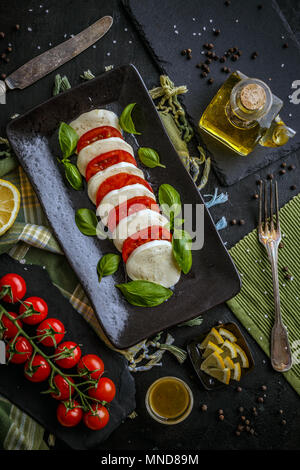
(48, 24)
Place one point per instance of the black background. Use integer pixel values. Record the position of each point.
(202, 430)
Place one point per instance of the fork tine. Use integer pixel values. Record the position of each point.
(271, 206)
(277, 209)
(266, 205)
(260, 206)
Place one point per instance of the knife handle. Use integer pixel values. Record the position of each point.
(2, 92)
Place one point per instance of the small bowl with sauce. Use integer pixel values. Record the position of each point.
(169, 400)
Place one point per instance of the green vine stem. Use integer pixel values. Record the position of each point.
(84, 398)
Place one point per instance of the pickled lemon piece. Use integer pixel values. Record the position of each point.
(229, 349)
(236, 372)
(229, 363)
(213, 360)
(242, 356)
(210, 348)
(213, 336)
(9, 205)
(227, 335)
(223, 375)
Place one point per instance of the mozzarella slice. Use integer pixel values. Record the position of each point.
(154, 261)
(98, 148)
(98, 178)
(95, 118)
(134, 223)
(118, 196)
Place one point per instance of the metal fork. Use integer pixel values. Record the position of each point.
(270, 236)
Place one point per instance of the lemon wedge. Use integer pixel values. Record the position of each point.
(242, 356)
(227, 335)
(236, 372)
(229, 363)
(229, 349)
(213, 336)
(210, 348)
(213, 360)
(223, 375)
(9, 205)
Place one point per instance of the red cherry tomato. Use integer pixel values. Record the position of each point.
(96, 419)
(135, 204)
(90, 366)
(19, 351)
(38, 369)
(97, 133)
(36, 310)
(154, 232)
(70, 354)
(107, 159)
(119, 181)
(10, 328)
(69, 415)
(63, 389)
(51, 332)
(12, 288)
(105, 390)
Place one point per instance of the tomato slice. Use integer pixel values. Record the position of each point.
(103, 161)
(135, 204)
(98, 133)
(119, 181)
(148, 234)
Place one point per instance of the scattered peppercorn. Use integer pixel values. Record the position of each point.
(258, 182)
(259, 7)
(203, 74)
(210, 81)
(247, 422)
(292, 167)
(204, 407)
(3, 55)
(254, 410)
(237, 433)
(283, 165)
(285, 269)
(211, 45)
(227, 3)
(281, 245)
(264, 388)
(199, 65)
(183, 52)
(241, 427)
(239, 389)
(221, 412)
(17, 27)
(2, 35)
(3, 76)
(241, 222)
(233, 222)
(222, 59)
(288, 276)
(9, 49)
(252, 431)
(208, 61)
(239, 53)
(254, 55)
(282, 172)
(217, 32)
(281, 412)
(293, 187)
(243, 418)
(285, 45)
(283, 422)
(241, 409)
(221, 417)
(270, 176)
(260, 400)
(255, 196)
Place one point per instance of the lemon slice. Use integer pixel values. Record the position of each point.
(236, 372)
(229, 363)
(242, 356)
(213, 336)
(221, 375)
(213, 360)
(229, 349)
(9, 205)
(227, 335)
(210, 348)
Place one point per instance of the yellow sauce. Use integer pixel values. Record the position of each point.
(169, 398)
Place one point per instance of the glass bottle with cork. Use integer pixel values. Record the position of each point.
(244, 113)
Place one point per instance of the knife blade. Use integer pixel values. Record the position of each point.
(50, 60)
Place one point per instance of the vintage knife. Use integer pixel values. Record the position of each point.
(55, 57)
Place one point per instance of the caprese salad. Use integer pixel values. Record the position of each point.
(125, 201)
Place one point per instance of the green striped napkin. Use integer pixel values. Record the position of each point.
(254, 305)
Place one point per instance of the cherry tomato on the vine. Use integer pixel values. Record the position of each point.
(69, 415)
(69, 354)
(12, 288)
(51, 332)
(97, 418)
(35, 309)
(9, 327)
(18, 351)
(90, 366)
(64, 390)
(38, 369)
(105, 390)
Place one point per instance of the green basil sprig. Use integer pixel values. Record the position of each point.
(144, 293)
(108, 265)
(149, 157)
(73, 175)
(170, 202)
(126, 121)
(181, 244)
(68, 139)
(86, 221)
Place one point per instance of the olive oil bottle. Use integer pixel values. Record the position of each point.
(243, 113)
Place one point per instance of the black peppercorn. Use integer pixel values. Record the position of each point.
(260, 400)
(264, 388)
(254, 55)
(183, 52)
(3, 55)
(270, 176)
(285, 45)
(210, 81)
(283, 165)
(9, 49)
(255, 196)
(17, 27)
(221, 417)
(281, 245)
(293, 187)
(204, 407)
(241, 409)
(285, 269)
(227, 3)
(282, 172)
(237, 433)
(239, 389)
(217, 32)
(222, 59)
(292, 167)
(283, 422)
(241, 222)
(2, 35)
(3, 76)
(199, 65)
(203, 74)
(208, 61)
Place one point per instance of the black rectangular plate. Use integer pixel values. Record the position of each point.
(26, 395)
(213, 278)
(195, 355)
(242, 25)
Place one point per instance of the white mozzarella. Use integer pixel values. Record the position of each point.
(98, 178)
(154, 262)
(118, 196)
(134, 223)
(95, 118)
(98, 148)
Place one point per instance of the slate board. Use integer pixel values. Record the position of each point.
(42, 408)
(243, 25)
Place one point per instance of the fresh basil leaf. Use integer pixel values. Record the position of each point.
(86, 221)
(108, 265)
(73, 175)
(126, 121)
(68, 139)
(149, 157)
(181, 243)
(170, 202)
(144, 293)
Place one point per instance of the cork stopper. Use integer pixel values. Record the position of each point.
(253, 97)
